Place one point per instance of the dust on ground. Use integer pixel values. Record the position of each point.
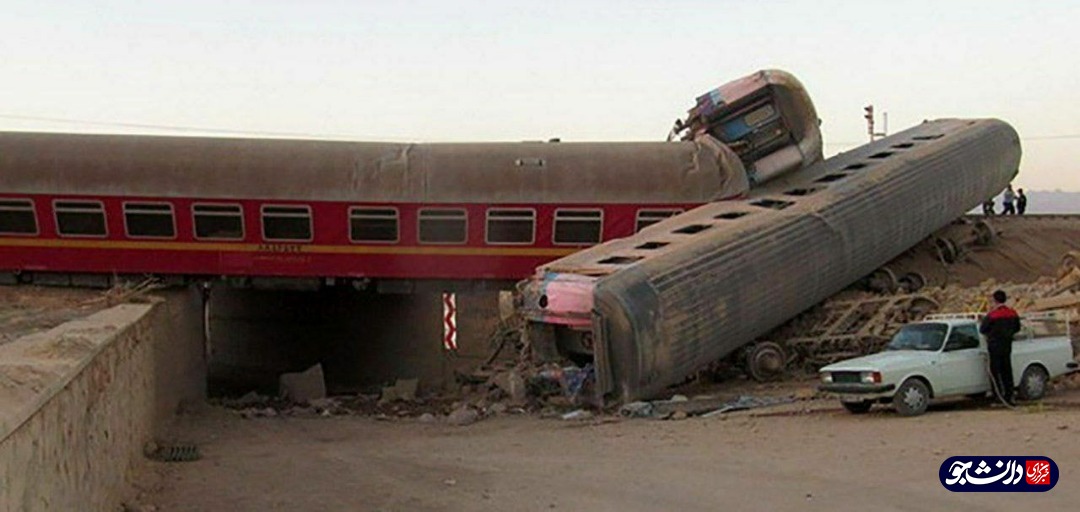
(807, 455)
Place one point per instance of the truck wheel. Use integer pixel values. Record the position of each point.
(1033, 383)
(912, 398)
(858, 407)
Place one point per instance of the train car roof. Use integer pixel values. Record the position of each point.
(803, 193)
(209, 167)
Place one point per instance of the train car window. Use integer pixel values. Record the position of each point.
(149, 220)
(286, 223)
(218, 221)
(511, 226)
(17, 217)
(775, 204)
(373, 224)
(829, 178)
(443, 226)
(577, 227)
(80, 218)
(647, 218)
(731, 215)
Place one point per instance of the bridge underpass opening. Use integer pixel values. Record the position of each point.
(363, 340)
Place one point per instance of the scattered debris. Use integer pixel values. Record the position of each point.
(512, 384)
(463, 416)
(749, 402)
(258, 412)
(403, 390)
(250, 399)
(126, 291)
(171, 452)
(577, 415)
(637, 410)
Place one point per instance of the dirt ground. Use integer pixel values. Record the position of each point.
(809, 455)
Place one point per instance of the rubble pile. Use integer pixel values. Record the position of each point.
(1058, 293)
(496, 388)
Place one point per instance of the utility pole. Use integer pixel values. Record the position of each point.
(869, 116)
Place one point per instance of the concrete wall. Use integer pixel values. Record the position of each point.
(363, 340)
(79, 402)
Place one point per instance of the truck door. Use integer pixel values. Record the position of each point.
(962, 364)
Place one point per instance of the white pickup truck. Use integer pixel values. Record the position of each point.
(945, 356)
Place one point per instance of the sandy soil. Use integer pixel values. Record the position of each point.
(808, 455)
(28, 309)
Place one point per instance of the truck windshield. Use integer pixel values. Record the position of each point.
(919, 337)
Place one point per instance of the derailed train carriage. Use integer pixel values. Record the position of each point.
(82, 208)
(650, 309)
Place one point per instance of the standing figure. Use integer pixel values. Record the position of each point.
(999, 326)
(1021, 201)
(1007, 202)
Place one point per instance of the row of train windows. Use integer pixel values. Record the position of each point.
(293, 223)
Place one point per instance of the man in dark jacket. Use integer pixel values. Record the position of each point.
(999, 326)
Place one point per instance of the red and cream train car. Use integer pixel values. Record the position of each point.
(213, 207)
(257, 209)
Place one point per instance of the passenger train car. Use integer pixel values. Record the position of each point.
(651, 308)
(80, 205)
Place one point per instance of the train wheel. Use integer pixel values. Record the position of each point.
(946, 250)
(883, 280)
(911, 282)
(983, 232)
(765, 361)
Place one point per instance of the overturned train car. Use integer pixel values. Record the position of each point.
(653, 308)
(82, 208)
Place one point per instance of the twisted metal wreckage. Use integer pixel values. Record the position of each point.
(652, 308)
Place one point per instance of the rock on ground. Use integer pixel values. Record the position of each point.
(305, 386)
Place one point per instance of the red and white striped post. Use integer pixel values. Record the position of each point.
(449, 322)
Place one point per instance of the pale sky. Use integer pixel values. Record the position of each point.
(506, 71)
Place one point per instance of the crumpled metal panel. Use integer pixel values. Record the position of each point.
(706, 294)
